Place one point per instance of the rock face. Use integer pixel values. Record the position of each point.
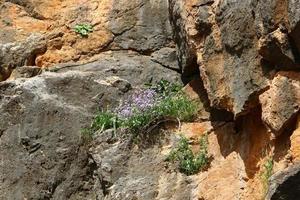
(42, 156)
(240, 59)
(280, 104)
(237, 46)
(285, 184)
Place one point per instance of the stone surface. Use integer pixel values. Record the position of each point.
(285, 184)
(281, 103)
(13, 55)
(42, 154)
(237, 44)
(233, 56)
(139, 25)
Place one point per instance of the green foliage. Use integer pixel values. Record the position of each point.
(188, 162)
(104, 120)
(267, 172)
(137, 121)
(179, 106)
(83, 29)
(171, 103)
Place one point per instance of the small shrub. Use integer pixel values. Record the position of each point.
(188, 162)
(83, 29)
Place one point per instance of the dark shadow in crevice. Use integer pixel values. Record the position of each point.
(282, 142)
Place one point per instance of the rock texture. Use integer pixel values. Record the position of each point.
(42, 154)
(280, 104)
(237, 46)
(239, 59)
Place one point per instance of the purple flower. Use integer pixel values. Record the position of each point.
(140, 101)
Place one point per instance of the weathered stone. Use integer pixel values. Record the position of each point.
(41, 119)
(139, 25)
(295, 140)
(293, 16)
(13, 55)
(281, 102)
(285, 184)
(276, 48)
(166, 57)
(25, 72)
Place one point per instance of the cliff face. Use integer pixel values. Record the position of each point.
(240, 59)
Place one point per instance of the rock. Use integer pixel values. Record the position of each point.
(13, 55)
(128, 65)
(293, 16)
(284, 185)
(25, 72)
(166, 57)
(41, 120)
(130, 171)
(237, 45)
(295, 139)
(280, 104)
(276, 48)
(139, 25)
(222, 37)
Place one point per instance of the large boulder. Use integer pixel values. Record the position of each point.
(42, 152)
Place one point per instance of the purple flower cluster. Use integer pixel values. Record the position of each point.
(140, 101)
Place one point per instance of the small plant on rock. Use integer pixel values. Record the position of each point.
(147, 106)
(267, 173)
(188, 162)
(83, 29)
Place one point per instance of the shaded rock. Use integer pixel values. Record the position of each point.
(280, 103)
(13, 55)
(25, 72)
(285, 184)
(276, 48)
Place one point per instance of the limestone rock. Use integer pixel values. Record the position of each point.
(281, 103)
(285, 184)
(13, 55)
(139, 25)
(41, 120)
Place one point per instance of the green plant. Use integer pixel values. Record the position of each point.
(83, 29)
(178, 106)
(104, 120)
(267, 172)
(188, 162)
(146, 107)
